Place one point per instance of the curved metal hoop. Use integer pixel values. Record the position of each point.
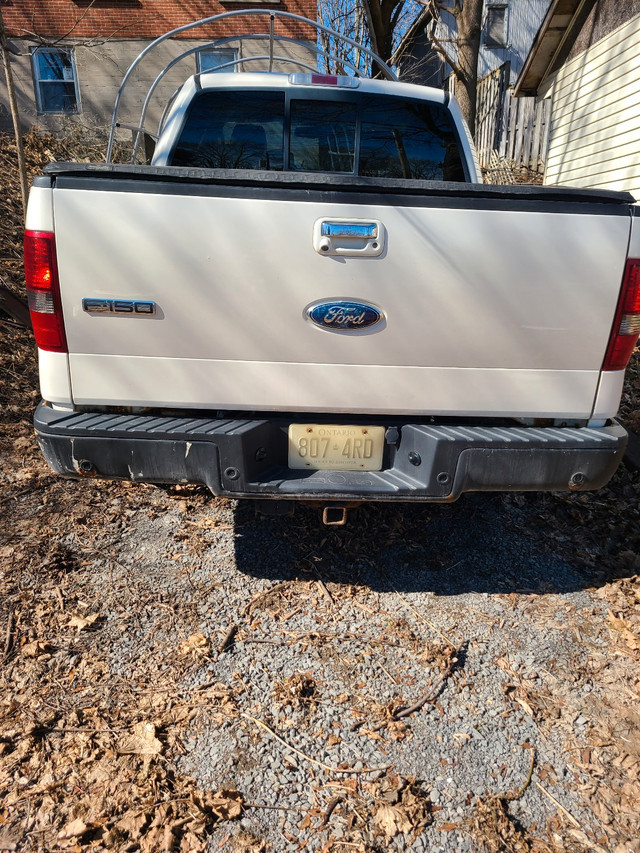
(273, 14)
(232, 63)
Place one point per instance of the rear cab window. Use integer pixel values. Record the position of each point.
(233, 130)
(356, 134)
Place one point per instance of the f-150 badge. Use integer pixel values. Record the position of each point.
(344, 315)
(134, 307)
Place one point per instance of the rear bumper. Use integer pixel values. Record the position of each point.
(247, 458)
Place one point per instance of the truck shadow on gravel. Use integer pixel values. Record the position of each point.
(483, 543)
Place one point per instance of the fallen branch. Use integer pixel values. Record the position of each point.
(256, 598)
(297, 636)
(330, 809)
(303, 755)
(387, 673)
(229, 638)
(426, 621)
(430, 696)
(567, 814)
(273, 808)
(324, 590)
(527, 781)
(8, 634)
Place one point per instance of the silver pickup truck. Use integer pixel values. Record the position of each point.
(310, 295)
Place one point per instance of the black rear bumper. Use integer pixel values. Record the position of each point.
(248, 457)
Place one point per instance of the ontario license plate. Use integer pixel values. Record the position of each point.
(334, 447)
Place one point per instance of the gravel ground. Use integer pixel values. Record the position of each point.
(338, 629)
(177, 673)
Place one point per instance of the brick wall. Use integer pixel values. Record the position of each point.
(130, 19)
(107, 35)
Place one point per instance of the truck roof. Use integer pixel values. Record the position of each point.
(279, 80)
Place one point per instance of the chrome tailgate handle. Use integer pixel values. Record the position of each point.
(357, 230)
(349, 237)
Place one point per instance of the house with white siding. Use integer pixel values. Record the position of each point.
(584, 63)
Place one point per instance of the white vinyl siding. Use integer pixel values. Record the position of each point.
(595, 117)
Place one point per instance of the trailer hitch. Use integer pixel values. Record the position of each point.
(334, 516)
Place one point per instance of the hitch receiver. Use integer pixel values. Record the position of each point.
(334, 516)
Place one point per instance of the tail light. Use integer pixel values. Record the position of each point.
(626, 327)
(43, 290)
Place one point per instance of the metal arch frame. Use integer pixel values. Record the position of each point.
(273, 14)
(238, 61)
(230, 64)
(221, 67)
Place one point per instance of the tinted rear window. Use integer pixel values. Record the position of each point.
(323, 136)
(408, 139)
(233, 130)
(398, 138)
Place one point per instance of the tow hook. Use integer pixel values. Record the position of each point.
(577, 481)
(86, 468)
(335, 516)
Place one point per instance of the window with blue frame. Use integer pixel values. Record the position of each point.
(55, 79)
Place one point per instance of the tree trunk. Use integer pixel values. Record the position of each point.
(469, 25)
(15, 115)
(380, 23)
(16, 308)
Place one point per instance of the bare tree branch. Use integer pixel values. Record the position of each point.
(378, 24)
(440, 49)
(15, 114)
(79, 21)
(440, 6)
(94, 41)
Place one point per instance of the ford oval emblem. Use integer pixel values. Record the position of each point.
(343, 315)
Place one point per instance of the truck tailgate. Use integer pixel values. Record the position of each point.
(493, 305)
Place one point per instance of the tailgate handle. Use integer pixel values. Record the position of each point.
(358, 230)
(349, 237)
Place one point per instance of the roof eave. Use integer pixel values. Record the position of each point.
(424, 16)
(553, 41)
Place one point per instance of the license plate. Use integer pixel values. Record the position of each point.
(334, 447)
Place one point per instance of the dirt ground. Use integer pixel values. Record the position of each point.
(112, 677)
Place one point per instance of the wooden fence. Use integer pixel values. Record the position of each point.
(510, 131)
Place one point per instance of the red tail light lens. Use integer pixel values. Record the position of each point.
(324, 79)
(343, 82)
(43, 290)
(626, 327)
